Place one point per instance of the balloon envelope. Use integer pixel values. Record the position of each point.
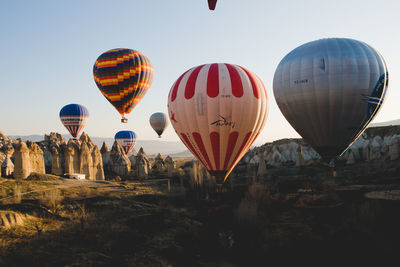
(127, 139)
(212, 4)
(159, 122)
(123, 77)
(329, 90)
(74, 118)
(218, 110)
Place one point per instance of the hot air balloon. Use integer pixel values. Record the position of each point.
(218, 110)
(159, 122)
(127, 139)
(329, 90)
(212, 4)
(123, 77)
(74, 118)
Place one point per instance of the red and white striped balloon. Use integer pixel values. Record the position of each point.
(218, 110)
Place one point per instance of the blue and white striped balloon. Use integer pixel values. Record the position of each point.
(74, 118)
(127, 139)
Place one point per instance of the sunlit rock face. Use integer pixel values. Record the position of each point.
(57, 160)
(52, 155)
(97, 167)
(28, 158)
(158, 165)
(72, 159)
(86, 161)
(6, 153)
(117, 162)
(141, 165)
(36, 159)
(77, 156)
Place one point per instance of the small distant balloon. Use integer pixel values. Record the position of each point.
(123, 76)
(74, 118)
(127, 139)
(218, 110)
(212, 4)
(329, 90)
(159, 122)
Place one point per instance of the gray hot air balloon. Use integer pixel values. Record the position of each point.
(329, 90)
(159, 121)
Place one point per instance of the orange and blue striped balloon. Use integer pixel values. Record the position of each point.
(123, 77)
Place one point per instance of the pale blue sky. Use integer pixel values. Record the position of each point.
(49, 47)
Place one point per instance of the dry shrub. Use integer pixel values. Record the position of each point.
(254, 200)
(3, 191)
(16, 193)
(201, 181)
(42, 177)
(51, 198)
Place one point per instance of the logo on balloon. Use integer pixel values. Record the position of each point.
(223, 122)
(378, 94)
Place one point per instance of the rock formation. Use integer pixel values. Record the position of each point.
(169, 166)
(56, 163)
(394, 148)
(97, 167)
(86, 160)
(71, 155)
(158, 165)
(21, 161)
(28, 159)
(77, 156)
(140, 164)
(375, 144)
(36, 159)
(262, 168)
(3, 137)
(116, 162)
(7, 166)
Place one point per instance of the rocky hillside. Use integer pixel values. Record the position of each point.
(376, 143)
(54, 155)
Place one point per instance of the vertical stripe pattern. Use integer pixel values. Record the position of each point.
(126, 139)
(218, 110)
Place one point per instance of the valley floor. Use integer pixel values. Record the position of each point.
(63, 222)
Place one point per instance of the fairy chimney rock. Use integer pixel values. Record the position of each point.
(104, 148)
(86, 162)
(2, 136)
(97, 167)
(21, 161)
(72, 159)
(56, 165)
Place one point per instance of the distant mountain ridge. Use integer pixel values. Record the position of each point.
(151, 147)
(385, 123)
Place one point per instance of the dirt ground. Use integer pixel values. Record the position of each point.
(83, 223)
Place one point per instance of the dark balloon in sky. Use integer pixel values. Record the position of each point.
(329, 90)
(212, 4)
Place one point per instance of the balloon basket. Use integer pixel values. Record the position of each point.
(124, 120)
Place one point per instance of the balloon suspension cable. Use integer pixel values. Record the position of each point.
(124, 120)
